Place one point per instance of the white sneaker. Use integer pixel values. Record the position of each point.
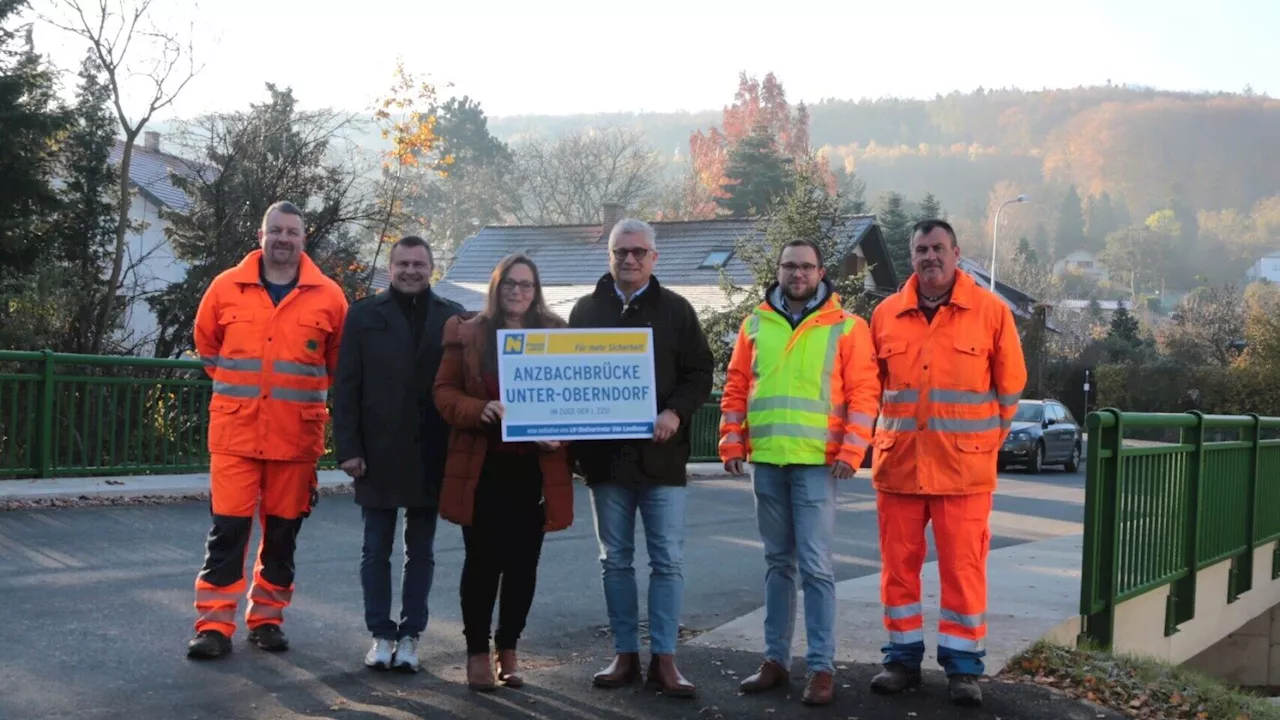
(379, 656)
(406, 655)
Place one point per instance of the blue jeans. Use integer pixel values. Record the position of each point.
(662, 511)
(796, 511)
(419, 567)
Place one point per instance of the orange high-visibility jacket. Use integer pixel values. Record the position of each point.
(271, 365)
(838, 379)
(951, 388)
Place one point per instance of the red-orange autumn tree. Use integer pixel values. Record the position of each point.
(758, 108)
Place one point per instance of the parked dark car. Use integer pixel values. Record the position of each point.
(1043, 433)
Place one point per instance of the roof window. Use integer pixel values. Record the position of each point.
(716, 259)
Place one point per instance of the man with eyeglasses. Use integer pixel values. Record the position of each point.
(800, 399)
(648, 476)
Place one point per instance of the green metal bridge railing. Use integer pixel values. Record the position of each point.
(65, 415)
(1207, 491)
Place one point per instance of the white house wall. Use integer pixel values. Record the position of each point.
(149, 267)
(1266, 268)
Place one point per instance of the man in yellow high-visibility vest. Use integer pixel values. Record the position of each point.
(800, 400)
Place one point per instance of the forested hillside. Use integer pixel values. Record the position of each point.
(1214, 151)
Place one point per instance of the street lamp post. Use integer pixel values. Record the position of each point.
(995, 235)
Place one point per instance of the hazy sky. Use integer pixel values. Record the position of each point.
(569, 56)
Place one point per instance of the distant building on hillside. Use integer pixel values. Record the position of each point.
(1085, 262)
(1266, 268)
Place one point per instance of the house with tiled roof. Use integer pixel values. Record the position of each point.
(571, 258)
(149, 264)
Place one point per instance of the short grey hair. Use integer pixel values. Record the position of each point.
(632, 226)
(287, 208)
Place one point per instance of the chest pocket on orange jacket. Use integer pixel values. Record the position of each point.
(896, 364)
(240, 336)
(312, 335)
(970, 365)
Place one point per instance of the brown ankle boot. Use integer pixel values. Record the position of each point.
(820, 690)
(665, 677)
(508, 669)
(479, 673)
(770, 675)
(624, 670)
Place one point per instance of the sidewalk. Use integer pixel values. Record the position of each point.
(1033, 592)
(186, 485)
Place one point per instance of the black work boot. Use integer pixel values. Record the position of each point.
(965, 690)
(269, 637)
(895, 678)
(208, 645)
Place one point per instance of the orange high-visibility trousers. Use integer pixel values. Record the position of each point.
(282, 494)
(962, 539)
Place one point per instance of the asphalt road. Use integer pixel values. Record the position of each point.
(95, 611)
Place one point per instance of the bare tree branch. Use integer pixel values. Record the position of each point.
(566, 180)
(111, 38)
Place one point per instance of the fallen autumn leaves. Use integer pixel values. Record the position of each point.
(1137, 687)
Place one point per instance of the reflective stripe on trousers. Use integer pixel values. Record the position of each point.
(961, 531)
(267, 602)
(216, 607)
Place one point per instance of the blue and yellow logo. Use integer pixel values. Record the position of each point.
(519, 344)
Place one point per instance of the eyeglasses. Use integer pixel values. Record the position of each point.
(793, 268)
(620, 254)
(525, 286)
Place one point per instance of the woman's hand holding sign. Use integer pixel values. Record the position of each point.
(492, 412)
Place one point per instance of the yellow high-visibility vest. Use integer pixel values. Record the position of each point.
(790, 406)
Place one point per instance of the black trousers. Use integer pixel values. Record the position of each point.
(503, 545)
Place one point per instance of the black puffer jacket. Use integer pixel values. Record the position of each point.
(683, 370)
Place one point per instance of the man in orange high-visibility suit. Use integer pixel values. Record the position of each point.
(952, 371)
(268, 332)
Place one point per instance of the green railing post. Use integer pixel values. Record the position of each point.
(1182, 592)
(1098, 571)
(1242, 565)
(45, 456)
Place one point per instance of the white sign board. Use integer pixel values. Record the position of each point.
(577, 384)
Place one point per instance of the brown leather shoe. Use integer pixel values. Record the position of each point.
(820, 690)
(624, 670)
(666, 678)
(769, 676)
(508, 669)
(479, 673)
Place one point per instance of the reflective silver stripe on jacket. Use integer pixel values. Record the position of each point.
(296, 395)
(287, 367)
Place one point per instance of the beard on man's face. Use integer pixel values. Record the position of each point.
(799, 292)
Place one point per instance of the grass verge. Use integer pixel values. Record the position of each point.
(1137, 687)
